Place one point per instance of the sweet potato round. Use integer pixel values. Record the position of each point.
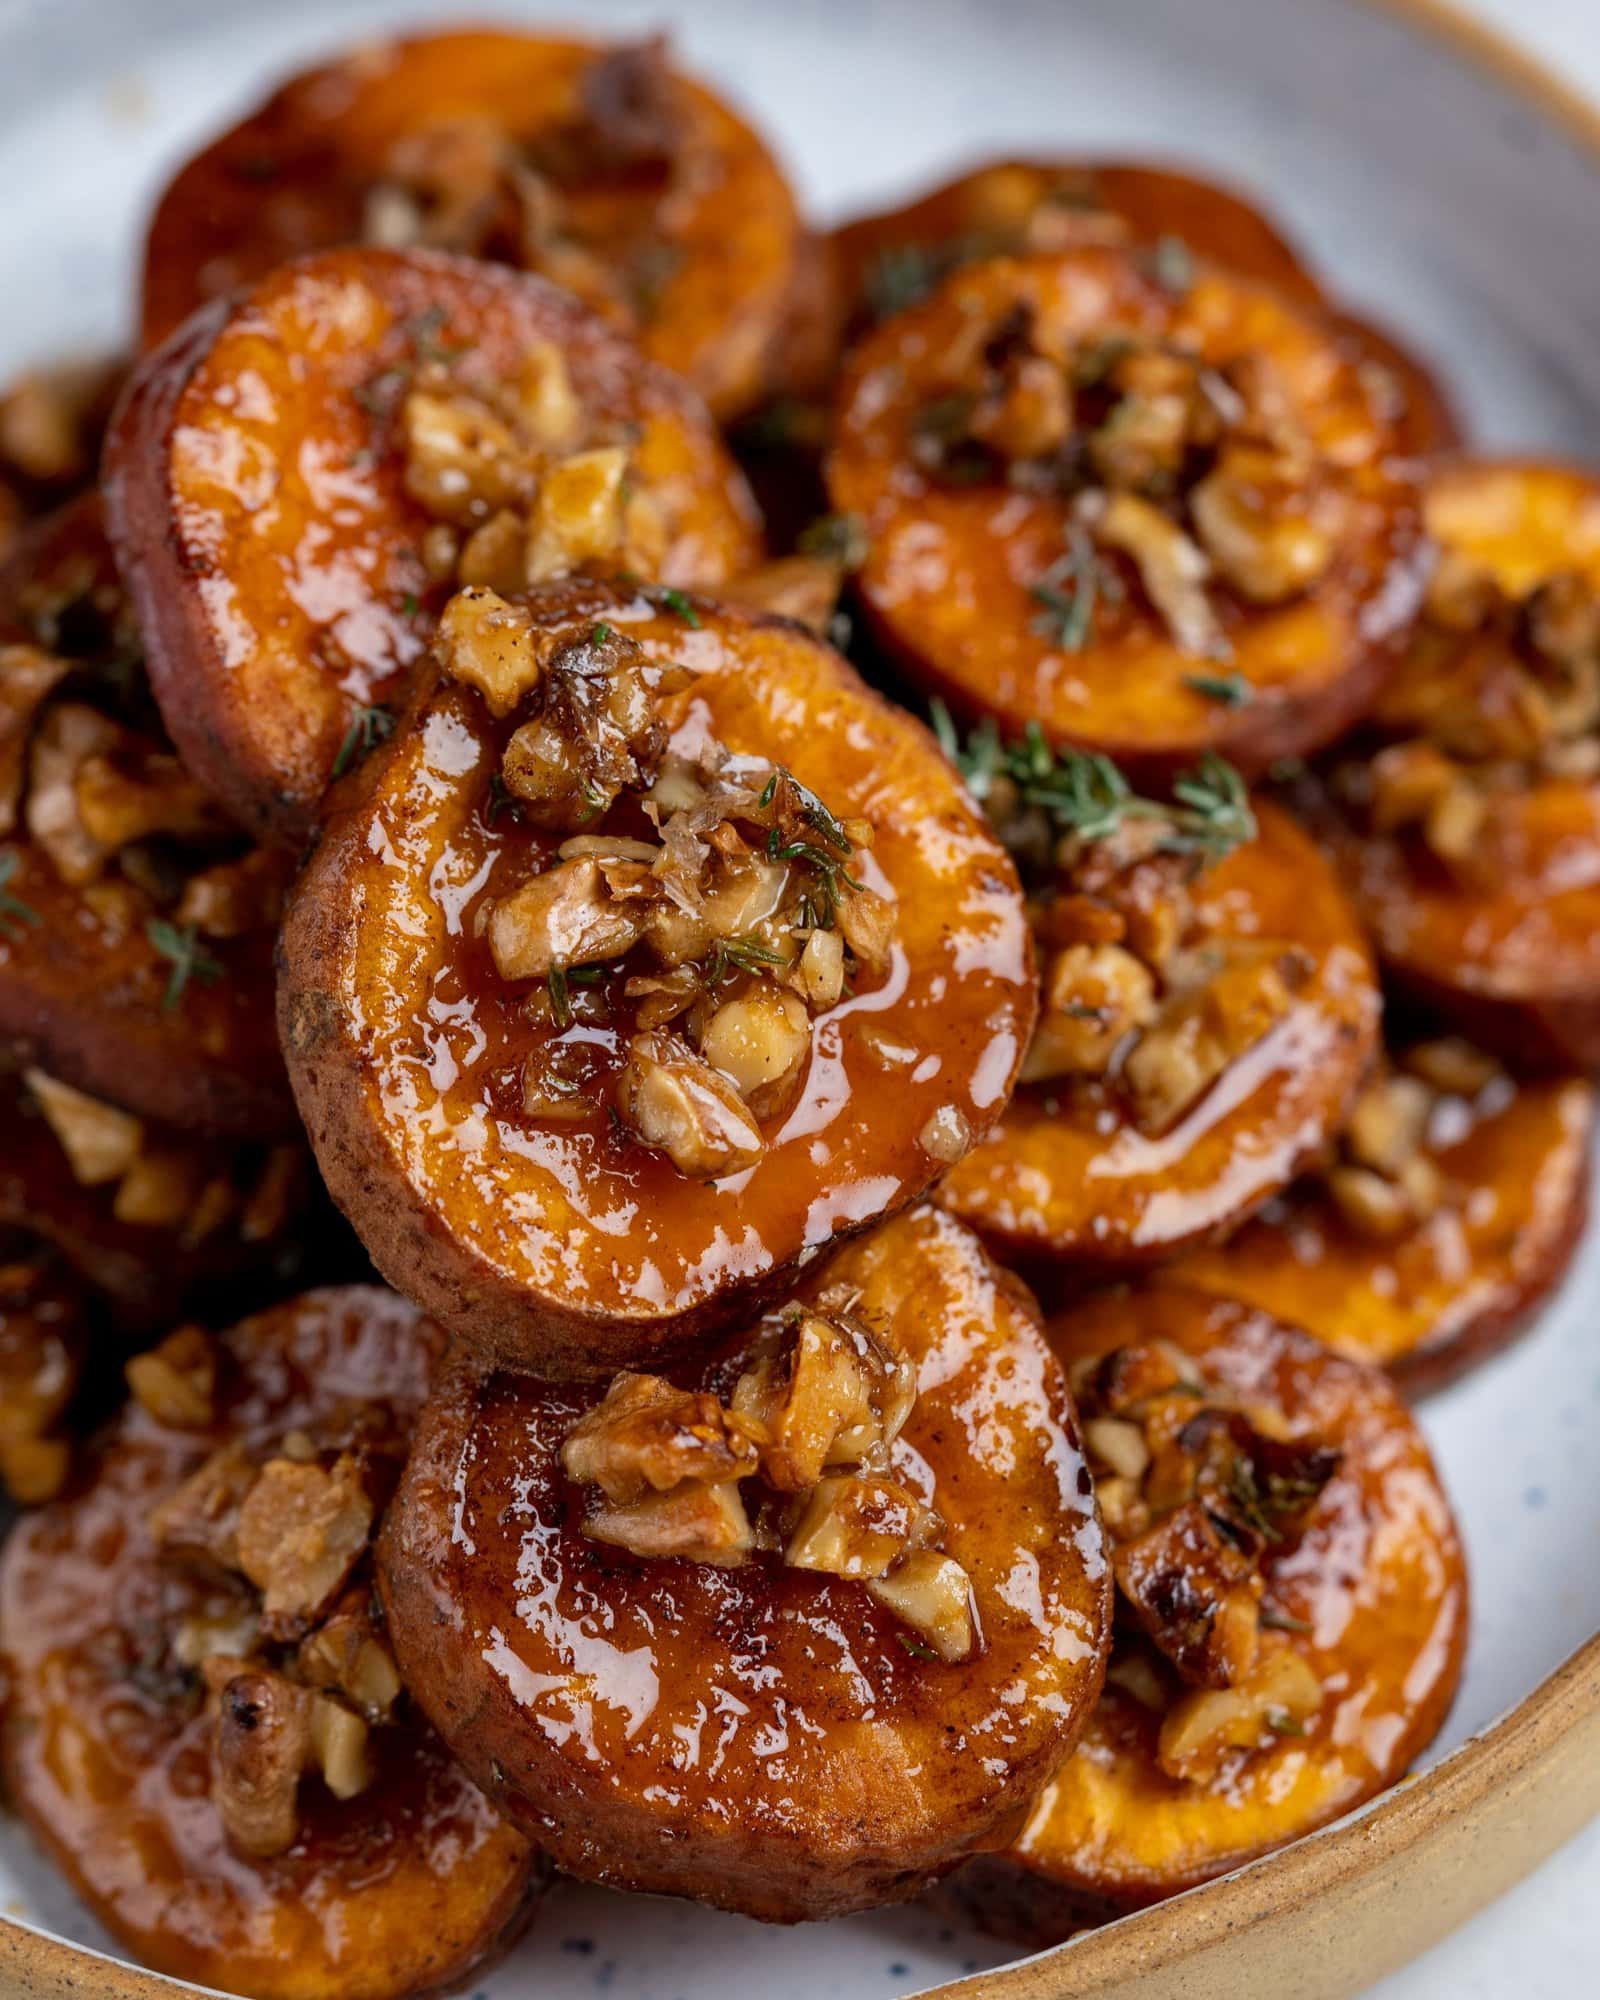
(1451, 1291)
(1376, 1569)
(254, 493)
(1512, 955)
(297, 175)
(84, 990)
(948, 583)
(1067, 1177)
(398, 1891)
(846, 1767)
(554, 1246)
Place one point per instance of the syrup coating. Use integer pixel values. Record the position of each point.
(709, 238)
(762, 1738)
(952, 579)
(399, 1891)
(1068, 1178)
(1374, 1583)
(256, 497)
(557, 1246)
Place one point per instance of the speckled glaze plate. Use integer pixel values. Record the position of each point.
(1455, 198)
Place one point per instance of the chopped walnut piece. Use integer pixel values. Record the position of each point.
(1452, 1065)
(347, 1652)
(932, 1594)
(301, 1531)
(176, 1383)
(1172, 567)
(1257, 526)
(1204, 1030)
(1095, 996)
(28, 676)
(947, 1135)
(693, 1523)
(200, 1519)
(339, 1745)
(1115, 1442)
(100, 1141)
(1196, 1594)
(461, 461)
(67, 737)
(804, 588)
(822, 1389)
(235, 897)
(632, 112)
(160, 1188)
(672, 1100)
(647, 1436)
(579, 516)
(760, 1042)
(855, 1527)
(138, 794)
(1388, 1123)
(1198, 1731)
(492, 646)
(261, 1744)
(565, 917)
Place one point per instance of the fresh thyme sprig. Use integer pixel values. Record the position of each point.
(181, 947)
(1084, 793)
(559, 981)
(739, 953)
(1072, 590)
(13, 910)
(368, 728)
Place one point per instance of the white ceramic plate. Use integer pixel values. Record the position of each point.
(1443, 202)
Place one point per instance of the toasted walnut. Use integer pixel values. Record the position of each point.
(1095, 996)
(199, 1520)
(176, 1383)
(261, 1745)
(1116, 1443)
(47, 427)
(140, 794)
(28, 676)
(647, 1436)
(822, 1389)
(492, 646)
(100, 1141)
(1196, 1594)
(301, 1531)
(161, 1188)
(461, 460)
(1203, 1031)
(672, 1100)
(347, 1653)
(235, 897)
(692, 1523)
(579, 516)
(1257, 526)
(947, 1135)
(760, 1042)
(1281, 1697)
(803, 587)
(1172, 567)
(565, 917)
(1388, 1123)
(67, 737)
(1452, 1065)
(855, 1527)
(932, 1594)
(339, 1746)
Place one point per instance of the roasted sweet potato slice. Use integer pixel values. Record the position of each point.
(678, 1038)
(136, 921)
(861, 1745)
(158, 1722)
(294, 483)
(1151, 510)
(152, 1219)
(1468, 819)
(599, 167)
(1344, 1609)
(1449, 1216)
(1204, 1029)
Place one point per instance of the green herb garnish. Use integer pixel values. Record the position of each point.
(13, 911)
(1071, 591)
(680, 607)
(840, 538)
(181, 947)
(601, 634)
(368, 728)
(740, 953)
(1280, 1621)
(1230, 690)
(900, 276)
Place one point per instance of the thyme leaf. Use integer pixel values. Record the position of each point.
(1071, 591)
(1229, 690)
(740, 953)
(13, 910)
(840, 538)
(679, 605)
(181, 947)
(368, 728)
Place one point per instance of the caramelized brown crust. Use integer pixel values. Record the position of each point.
(273, 629)
(761, 1738)
(299, 173)
(1452, 1290)
(397, 1892)
(951, 578)
(84, 990)
(1068, 1177)
(1374, 1584)
(559, 1247)
(1511, 950)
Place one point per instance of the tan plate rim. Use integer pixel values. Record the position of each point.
(1343, 1905)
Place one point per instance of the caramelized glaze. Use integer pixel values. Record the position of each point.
(105, 1745)
(762, 1738)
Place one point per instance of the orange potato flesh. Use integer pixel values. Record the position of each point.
(1376, 1572)
(84, 990)
(272, 627)
(1513, 954)
(1451, 1290)
(1068, 1178)
(948, 583)
(554, 1245)
(762, 1738)
(298, 173)
(398, 1891)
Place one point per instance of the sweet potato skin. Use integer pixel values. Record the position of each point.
(1451, 1292)
(84, 992)
(547, 1246)
(1376, 1571)
(947, 586)
(1055, 1188)
(895, 1765)
(271, 629)
(398, 1892)
(295, 176)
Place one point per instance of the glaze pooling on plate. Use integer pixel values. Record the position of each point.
(1343, 113)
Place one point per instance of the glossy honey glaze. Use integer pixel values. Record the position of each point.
(562, 1245)
(1451, 1288)
(950, 575)
(1376, 1575)
(84, 991)
(758, 1737)
(106, 1745)
(715, 234)
(255, 493)
(1525, 927)
(1067, 1175)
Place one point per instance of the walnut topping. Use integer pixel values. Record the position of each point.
(176, 1383)
(674, 1101)
(300, 1532)
(1242, 993)
(41, 1352)
(100, 1141)
(798, 1459)
(1196, 1488)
